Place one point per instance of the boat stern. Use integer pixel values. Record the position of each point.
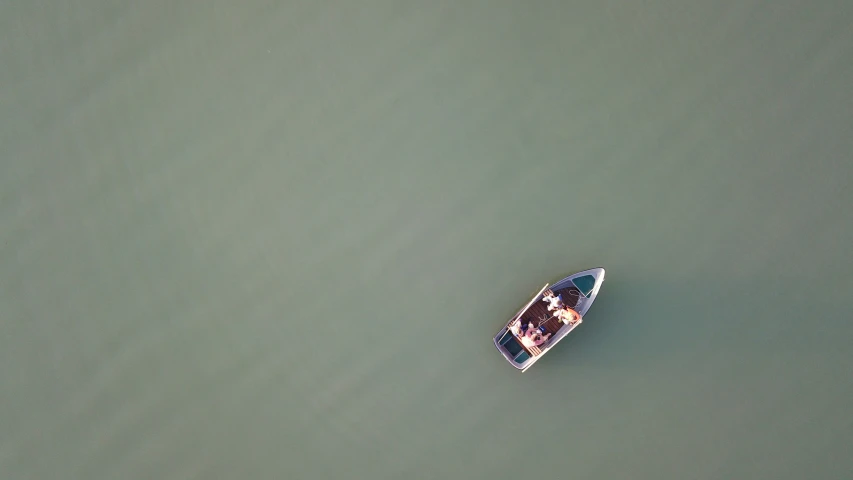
(512, 351)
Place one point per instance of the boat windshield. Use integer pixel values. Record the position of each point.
(585, 284)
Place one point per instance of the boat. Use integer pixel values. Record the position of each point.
(577, 292)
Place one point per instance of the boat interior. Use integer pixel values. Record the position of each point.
(539, 316)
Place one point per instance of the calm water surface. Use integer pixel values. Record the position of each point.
(273, 239)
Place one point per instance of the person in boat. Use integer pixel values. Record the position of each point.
(515, 327)
(533, 338)
(518, 330)
(568, 316)
(554, 301)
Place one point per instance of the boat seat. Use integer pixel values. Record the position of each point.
(534, 350)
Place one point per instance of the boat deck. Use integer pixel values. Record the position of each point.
(539, 315)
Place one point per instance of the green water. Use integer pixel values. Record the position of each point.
(267, 239)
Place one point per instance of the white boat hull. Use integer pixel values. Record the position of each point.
(587, 283)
